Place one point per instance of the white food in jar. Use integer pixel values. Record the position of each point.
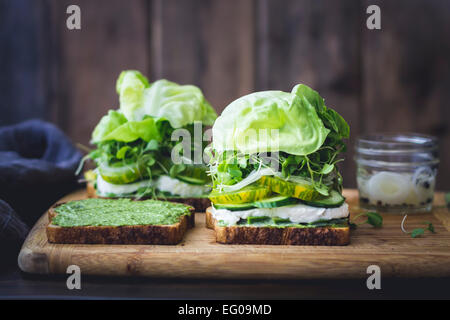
(391, 188)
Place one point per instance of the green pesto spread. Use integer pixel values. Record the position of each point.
(118, 212)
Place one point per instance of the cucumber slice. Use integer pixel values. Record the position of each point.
(335, 199)
(275, 202)
(90, 176)
(234, 207)
(253, 220)
(248, 194)
(302, 191)
(194, 174)
(122, 174)
(278, 220)
(191, 180)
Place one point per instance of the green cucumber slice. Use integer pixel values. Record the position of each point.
(234, 207)
(122, 174)
(275, 202)
(278, 220)
(335, 199)
(191, 180)
(253, 220)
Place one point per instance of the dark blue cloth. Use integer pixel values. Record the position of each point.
(12, 233)
(37, 167)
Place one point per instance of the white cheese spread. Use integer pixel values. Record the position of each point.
(163, 183)
(180, 188)
(298, 213)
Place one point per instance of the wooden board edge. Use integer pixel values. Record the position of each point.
(31, 258)
(212, 266)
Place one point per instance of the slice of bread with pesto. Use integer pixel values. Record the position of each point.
(119, 221)
(274, 172)
(269, 231)
(200, 204)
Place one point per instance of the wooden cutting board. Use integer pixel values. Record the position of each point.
(199, 256)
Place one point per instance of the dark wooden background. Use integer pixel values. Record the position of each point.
(394, 79)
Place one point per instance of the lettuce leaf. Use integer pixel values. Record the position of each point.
(289, 124)
(136, 75)
(130, 87)
(331, 119)
(107, 124)
(180, 105)
(114, 126)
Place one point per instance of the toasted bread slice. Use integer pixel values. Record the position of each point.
(320, 236)
(141, 234)
(200, 204)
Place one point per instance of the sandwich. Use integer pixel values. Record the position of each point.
(119, 221)
(274, 166)
(138, 153)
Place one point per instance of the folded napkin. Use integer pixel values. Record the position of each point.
(37, 167)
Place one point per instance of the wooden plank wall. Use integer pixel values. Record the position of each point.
(394, 79)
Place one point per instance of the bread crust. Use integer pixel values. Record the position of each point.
(200, 204)
(141, 234)
(320, 236)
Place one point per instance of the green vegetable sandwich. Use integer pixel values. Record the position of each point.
(274, 170)
(134, 146)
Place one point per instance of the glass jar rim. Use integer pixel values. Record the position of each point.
(389, 143)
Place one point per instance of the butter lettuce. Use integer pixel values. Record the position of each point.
(179, 104)
(115, 126)
(132, 76)
(329, 117)
(308, 136)
(270, 121)
(130, 87)
(143, 105)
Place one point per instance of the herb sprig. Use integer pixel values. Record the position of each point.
(418, 231)
(373, 218)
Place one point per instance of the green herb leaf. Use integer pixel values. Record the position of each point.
(374, 219)
(430, 227)
(122, 152)
(176, 169)
(234, 172)
(152, 145)
(321, 188)
(150, 160)
(327, 168)
(417, 232)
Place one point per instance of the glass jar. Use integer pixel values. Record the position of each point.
(396, 172)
